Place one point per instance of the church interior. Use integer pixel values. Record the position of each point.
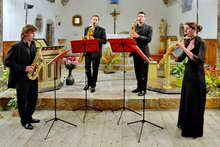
(60, 85)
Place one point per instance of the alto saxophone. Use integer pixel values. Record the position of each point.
(89, 33)
(133, 27)
(37, 64)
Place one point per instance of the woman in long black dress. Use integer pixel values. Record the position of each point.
(193, 93)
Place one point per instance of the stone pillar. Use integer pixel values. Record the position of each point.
(1, 30)
(218, 37)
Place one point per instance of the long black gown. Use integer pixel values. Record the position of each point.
(193, 93)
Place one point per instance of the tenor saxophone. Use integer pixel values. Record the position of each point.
(37, 64)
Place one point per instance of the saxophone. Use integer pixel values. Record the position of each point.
(133, 27)
(89, 33)
(37, 64)
(171, 48)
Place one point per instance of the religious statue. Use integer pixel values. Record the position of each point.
(39, 22)
(52, 1)
(163, 27)
(166, 2)
(64, 2)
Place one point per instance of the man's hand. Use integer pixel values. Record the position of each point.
(134, 35)
(91, 38)
(29, 68)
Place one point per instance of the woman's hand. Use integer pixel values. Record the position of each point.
(180, 44)
(173, 56)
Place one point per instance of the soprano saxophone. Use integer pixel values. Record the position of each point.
(171, 48)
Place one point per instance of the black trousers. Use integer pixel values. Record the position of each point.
(141, 72)
(92, 60)
(27, 99)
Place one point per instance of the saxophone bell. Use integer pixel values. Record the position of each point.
(133, 28)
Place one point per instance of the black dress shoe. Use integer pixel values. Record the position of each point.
(135, 90)
(92, 89)
(28, 126)
(34, 120)
(141, 93)
(86, 87)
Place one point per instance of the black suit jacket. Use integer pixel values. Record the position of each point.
(145, 31)
(99, 34)
(19, 56)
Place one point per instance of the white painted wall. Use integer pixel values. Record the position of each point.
(14, 17)
(155, 10)
(207, 17)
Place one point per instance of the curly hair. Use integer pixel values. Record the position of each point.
(26, 29)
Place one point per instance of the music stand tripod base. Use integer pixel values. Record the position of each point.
(55, 96)
(143, 121)
(86, 107)
(83, 46)
(122, 43)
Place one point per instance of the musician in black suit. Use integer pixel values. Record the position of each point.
(19, 60)
(142, 35)
(93, 58)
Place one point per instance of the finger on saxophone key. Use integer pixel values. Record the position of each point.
(29, 68)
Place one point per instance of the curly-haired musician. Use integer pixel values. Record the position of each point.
(19, 60)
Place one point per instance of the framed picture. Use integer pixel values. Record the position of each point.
(77, 20)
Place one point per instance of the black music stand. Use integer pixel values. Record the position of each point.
(122, 45)
(54, 61)
(83, 46)
(146, 60)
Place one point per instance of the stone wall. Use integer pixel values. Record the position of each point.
(1, 29)
(218, 36)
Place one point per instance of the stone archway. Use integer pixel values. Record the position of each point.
(50, 32)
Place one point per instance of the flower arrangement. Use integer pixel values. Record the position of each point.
(109, 59)
(70, 63)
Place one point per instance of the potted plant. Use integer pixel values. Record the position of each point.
(212, 82)
(12, 104)
(178, 72)
(109, 60)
